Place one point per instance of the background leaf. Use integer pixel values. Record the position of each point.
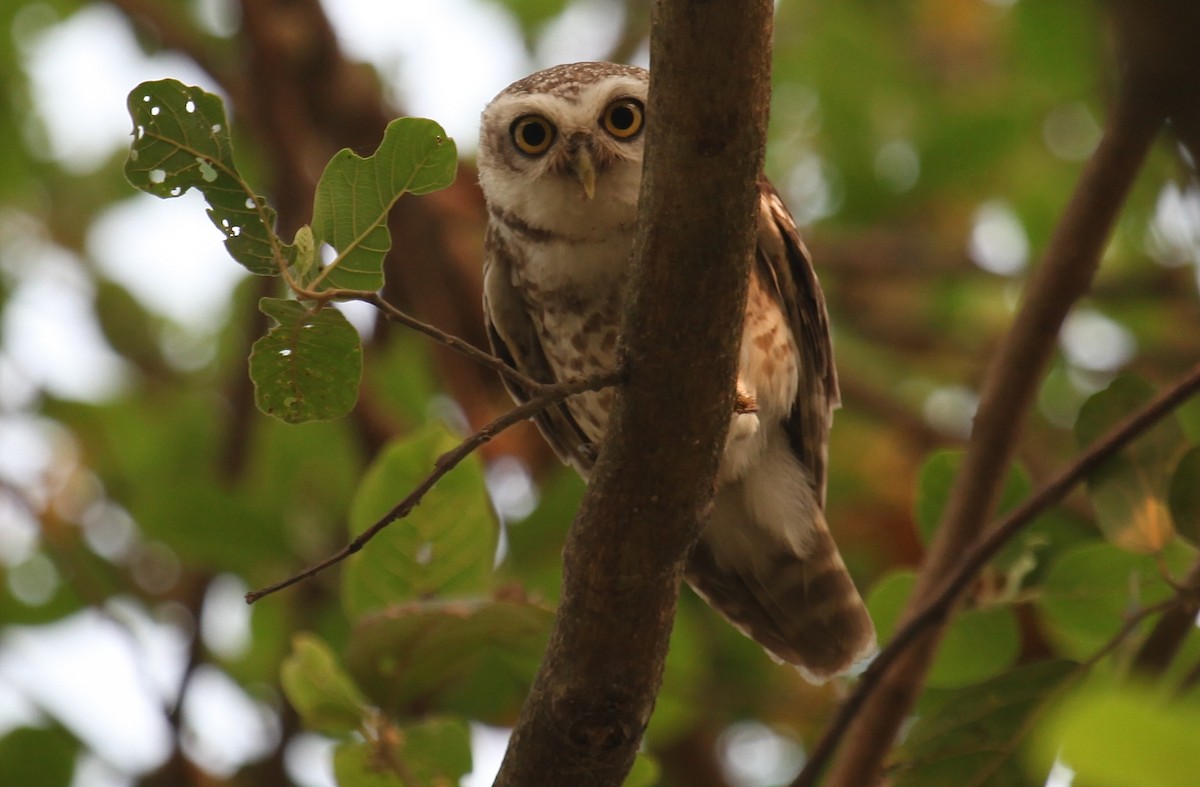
(1184, 497)
(434, 752)
(444, 548)
(37, 756)
(1129, 492)
(1124, 736)
(1089, 591)
(324, 696)
(474, 658)
(970, 737)
(938, 472)
(978, 644)
(355, 194)
(307, 368)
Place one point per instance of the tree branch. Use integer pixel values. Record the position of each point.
(1164, 641)
(654, 478)
(937, 609)
(546, 396)
(1009, 387)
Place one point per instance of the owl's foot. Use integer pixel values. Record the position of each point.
(745, 402)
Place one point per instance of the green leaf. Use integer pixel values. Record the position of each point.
(1022, 559)
(644, 773)
(435, 752)
(324, 696)
(1129, 491)
(42, 757)
(1124, 735)
(978, 644)
(469, 658)
(971, 737)
(355, 194)
(535, 543)
(1089, 591)
(445, 547)
(181, 141)
(937, 478)
(1183, 497)
(307, 368)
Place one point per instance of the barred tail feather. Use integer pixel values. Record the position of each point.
(803, 609)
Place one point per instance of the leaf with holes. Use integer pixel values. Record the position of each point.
(307, 367)
(445, 547)
(1129, 491)
(181, 141)
(355, 194)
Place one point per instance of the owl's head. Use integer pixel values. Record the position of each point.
(562, 148)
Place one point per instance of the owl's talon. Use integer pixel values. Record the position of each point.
(745, 403)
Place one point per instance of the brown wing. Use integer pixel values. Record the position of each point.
(513, 338)
(783, 262)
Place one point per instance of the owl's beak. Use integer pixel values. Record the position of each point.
(585, 169)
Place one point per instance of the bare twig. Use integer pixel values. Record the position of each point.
(467, 349)
(939, 605)
(546, 396)
(396, 315)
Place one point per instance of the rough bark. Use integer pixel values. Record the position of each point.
(653, 482)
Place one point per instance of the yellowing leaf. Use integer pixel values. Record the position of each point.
(1128, 492)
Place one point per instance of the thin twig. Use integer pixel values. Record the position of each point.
(940, 604)
(548, 395)
(394, 314)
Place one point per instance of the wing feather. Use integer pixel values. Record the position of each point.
(514, 339)
(784, 262)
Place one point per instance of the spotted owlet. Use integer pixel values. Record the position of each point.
(560, 163)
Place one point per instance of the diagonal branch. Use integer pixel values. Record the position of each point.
(937, 609)
(546, 396)
(1071, 261)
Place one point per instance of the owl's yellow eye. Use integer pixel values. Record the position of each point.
(623, 118)
(532, 134)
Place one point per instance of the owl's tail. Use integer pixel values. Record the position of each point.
(797, 600)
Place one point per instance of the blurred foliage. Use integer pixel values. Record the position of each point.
(928, 148)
